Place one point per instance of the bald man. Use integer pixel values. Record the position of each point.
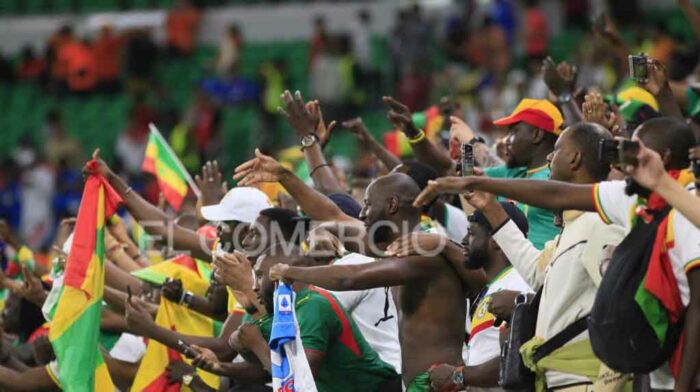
(431, 296)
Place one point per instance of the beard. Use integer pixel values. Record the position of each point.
(477, 259)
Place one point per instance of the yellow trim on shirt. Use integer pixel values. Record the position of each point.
(537, 169)
(692, 264)
(598, 205)
(52, 376)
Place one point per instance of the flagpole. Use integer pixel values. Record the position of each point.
(190, 182)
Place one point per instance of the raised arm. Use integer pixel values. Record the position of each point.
(561, 81)
(425, 151)
(358, 128)
(155, 221)
(552, 195)
(381, 273)
(265, 169)
(657, 84)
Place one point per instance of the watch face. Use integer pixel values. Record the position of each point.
(308, 140)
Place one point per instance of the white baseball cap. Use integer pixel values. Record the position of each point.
(242, 204)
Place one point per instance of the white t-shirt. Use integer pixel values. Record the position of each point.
(128, 348)
(375, 314)
(615, 206)
(484, 337)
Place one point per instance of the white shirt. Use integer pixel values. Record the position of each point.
(568, 271)
(484, 337)
(367, 308)
(615, 206)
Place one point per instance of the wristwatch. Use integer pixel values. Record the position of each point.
(477, 139)
(564, 97)
(458, 376)
(308, 140)
(187, 297)
(251, 310)
(187, 379)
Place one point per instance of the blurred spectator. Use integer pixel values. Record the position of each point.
(131, 144)
(108, 59)
(59, 146)
(229, 54)
(58, 65)
(37, 190)
(319, 39)
(140, 57)
(202, 117)
(31, 68)
(10, 193)
(415, 38)
(181, 27)
(536, 33)
(328, 81)
(362, 48)
(81, 66)
(503, 14)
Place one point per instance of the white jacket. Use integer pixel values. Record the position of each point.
(568, 269)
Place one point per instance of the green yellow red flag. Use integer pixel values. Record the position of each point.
(162, 163)
(75, 326)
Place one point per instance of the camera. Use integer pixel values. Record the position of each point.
(638, 67)
(467, 159)
(618, 152)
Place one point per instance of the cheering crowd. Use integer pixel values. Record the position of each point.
(562, 256)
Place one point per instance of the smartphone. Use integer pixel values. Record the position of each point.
(627, 152)
(638, 67)
(186, 349)
(618, 152)
(467, 159)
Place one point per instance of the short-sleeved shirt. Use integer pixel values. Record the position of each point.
(484, 342)
(350, 364)
(540, 220)
(615, 206)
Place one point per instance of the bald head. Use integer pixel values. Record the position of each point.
(388, 203)
(671, 138)
(394, 184)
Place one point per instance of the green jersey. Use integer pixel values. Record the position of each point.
(541, 221)
(349, 363)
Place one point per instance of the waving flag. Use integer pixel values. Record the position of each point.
(76, 319)
(164, 164)
(290, 368)
(152, 375)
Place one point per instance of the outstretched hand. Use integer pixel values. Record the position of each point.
(211, 183)
(322, 130)
(234, 270)
(137, 317)
(561, 78)
(262, 168)
(417, 244)
(302, 120)
(358, 128)
(97, 166)
(649, 170)
(400, 115)
(657, 77)
(595, 110)
(206, 359)
(450, 185)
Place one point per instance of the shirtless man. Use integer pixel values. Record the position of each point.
(431, 296)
